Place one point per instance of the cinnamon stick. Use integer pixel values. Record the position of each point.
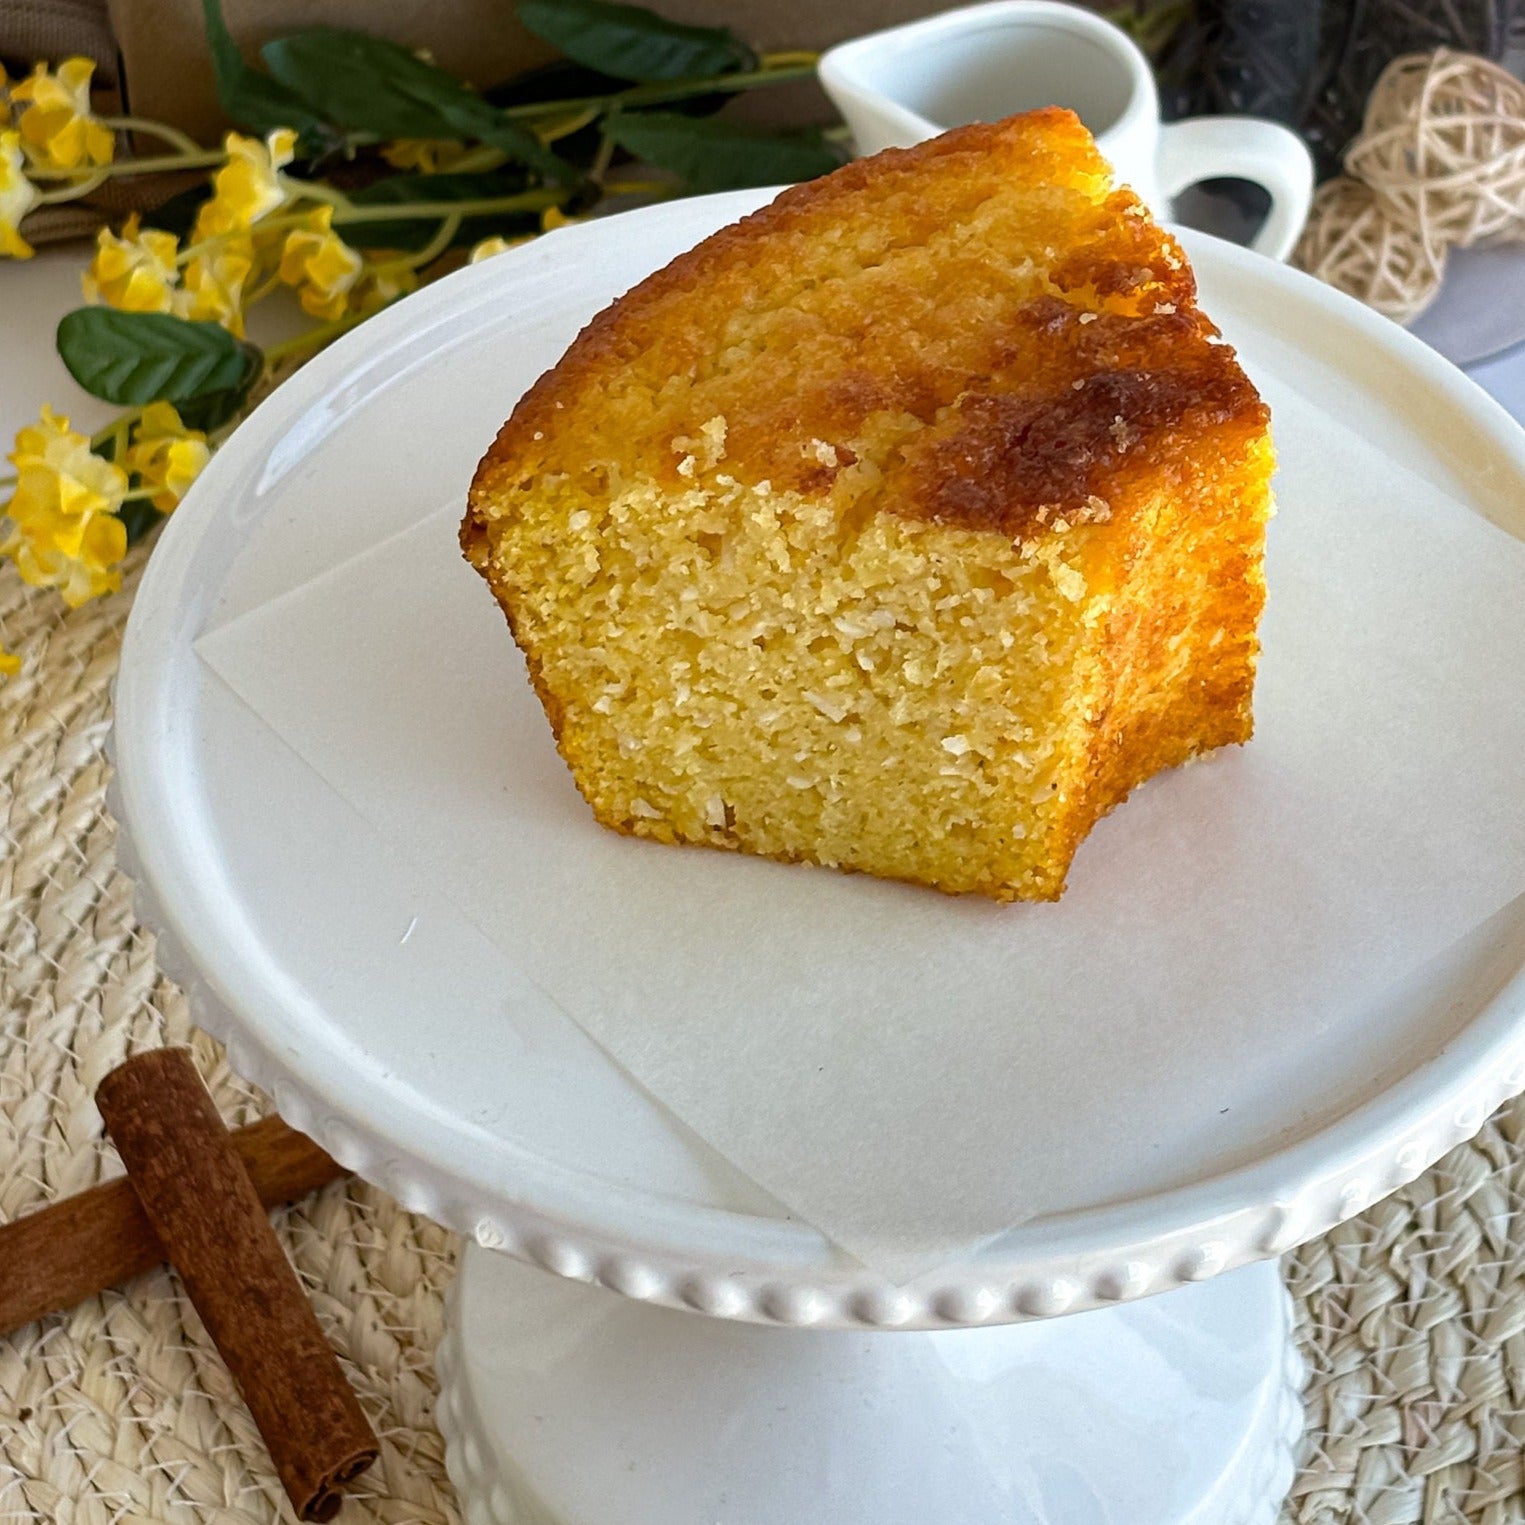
(207, 1215)
(70, 1250)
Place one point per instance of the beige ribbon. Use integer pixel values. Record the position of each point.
(1439, 163)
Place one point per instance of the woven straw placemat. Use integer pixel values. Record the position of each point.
(1412, 1316)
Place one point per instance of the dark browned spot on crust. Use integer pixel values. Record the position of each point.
(1015, 462)
(1132, 260)
(981, 406)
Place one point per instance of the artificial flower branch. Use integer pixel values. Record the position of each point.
(795, 66)
(431, 174)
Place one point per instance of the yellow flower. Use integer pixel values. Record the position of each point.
(381, 285)
(17, 197)
(495, 245)
(95, 570)
(65, 533)
(5, 99)
(213, 283)
(165, 454)
(249, 186)
(553, 217)
(427, 155)
(133, 270)
(321, 265)
(57, 128)
(10, 663)
(61, 483)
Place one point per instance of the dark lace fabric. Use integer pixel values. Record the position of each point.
(1309, 63)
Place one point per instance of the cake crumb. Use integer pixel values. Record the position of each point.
(713, 433)
(835, 710)
(703, 450)
(1069, 581)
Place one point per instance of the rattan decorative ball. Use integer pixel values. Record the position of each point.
(1444, 145)
(1353, 242)
(1440, 163)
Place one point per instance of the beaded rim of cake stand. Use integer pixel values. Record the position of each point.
(963, 1295)
(1310, 1198)
(485, 1497)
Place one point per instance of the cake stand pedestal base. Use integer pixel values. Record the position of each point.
(564, 1404)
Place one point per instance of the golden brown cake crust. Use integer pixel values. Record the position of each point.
(1119, 370)
(1127, 394)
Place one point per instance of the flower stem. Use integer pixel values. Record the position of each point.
(601, 160)
(263, 290)
(315, 190)
(521, 201)
(314, 338)
(652, 95)
(481, 158)
(114, 431)
(74, 191)
(432, 250)
(162, 130)
(666, 188)
(267, 225)
(203, 158)
(347, 213)
(564, 127)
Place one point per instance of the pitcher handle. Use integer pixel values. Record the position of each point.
(1243, 148)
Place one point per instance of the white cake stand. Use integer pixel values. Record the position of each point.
(639, 1333)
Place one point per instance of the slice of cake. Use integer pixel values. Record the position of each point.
(903, 527)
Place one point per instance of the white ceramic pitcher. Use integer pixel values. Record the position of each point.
(984, 62)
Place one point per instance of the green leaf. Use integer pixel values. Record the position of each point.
(140, 518)
(367, 84)
(252, 99)
(717, 155)
(558, 80)
(134, 358)
(211, 410)
(415, 232)
(632, 43)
